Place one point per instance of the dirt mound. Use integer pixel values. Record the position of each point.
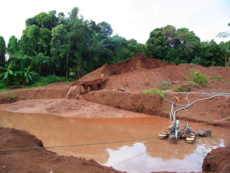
(135, 63)
(217, 160)
(139, 73)
(39, 160)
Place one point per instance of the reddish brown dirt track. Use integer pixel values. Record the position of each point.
(134, 75)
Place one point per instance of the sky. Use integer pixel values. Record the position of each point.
(128, 18)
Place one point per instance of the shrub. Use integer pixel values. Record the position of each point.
(182, 89)
(164, 85)
(12, 96)
(199, 78)
(42, 81)
(52, 79)
(217, 78)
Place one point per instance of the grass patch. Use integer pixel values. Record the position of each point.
(164, 85)
(194, 84)
(217, 78)
(182, 89)
(229, 80)
(42, 81)
(23, 98)
(209, 117)
(12, 96)
(154, 91)
(197, 77)
(39, 81)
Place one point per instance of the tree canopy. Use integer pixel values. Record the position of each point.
(57, 44)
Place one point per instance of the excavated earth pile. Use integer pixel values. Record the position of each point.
(140, 73)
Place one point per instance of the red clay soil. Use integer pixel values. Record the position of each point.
(217, 160)
(145, 76)
(215, 111)
(39, 160)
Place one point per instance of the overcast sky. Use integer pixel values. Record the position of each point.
(128, 18)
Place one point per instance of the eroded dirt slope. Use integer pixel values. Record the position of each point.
(217, 160)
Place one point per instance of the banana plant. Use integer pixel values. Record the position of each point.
(7, 72)
(17, 77)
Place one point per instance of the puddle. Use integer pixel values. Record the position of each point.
(134, 156)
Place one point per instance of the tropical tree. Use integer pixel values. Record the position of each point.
(211, 52)
(156, 44)
(58, 46)
(45, 20)
(2, 51)
(12, 46)
(134, 47)
(118, 45)
(224, 34)
(226, 52)
(30, 39)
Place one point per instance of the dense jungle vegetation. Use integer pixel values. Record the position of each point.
(68, 46)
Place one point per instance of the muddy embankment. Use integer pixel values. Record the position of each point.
(213, 112)
(217, 160)
(42, 159)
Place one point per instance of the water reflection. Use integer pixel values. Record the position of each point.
(135, 156)
(136, 159)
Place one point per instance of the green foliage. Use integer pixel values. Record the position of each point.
(223, 34)
(44, 20)
(12, 96)
(2, 50)
(154, 91)
(171, 45)
(42, 81)
(217, 78)
(58, 48)
(12, 46)
(164, 85)
(3, 86)
(61, 45)
(182, 89)
(53, 79)
(199, 78)
(229, 80)
(17, 77)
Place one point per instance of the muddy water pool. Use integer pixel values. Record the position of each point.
(133, 156)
